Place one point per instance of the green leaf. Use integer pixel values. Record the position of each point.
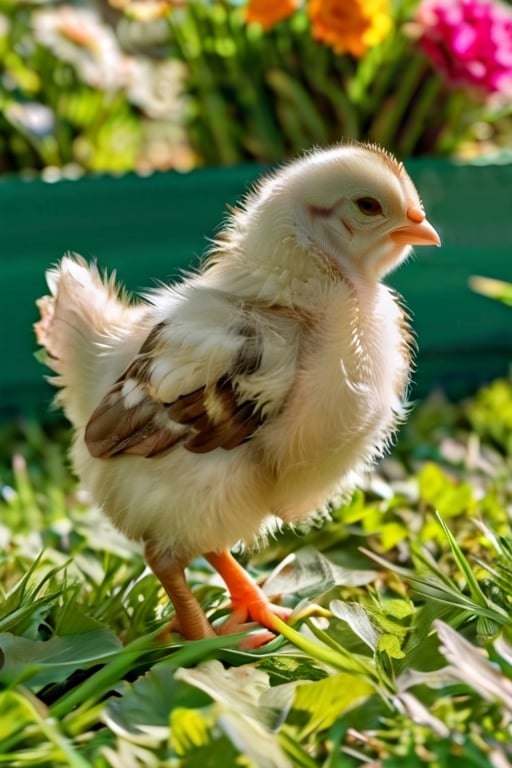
(219, 751)
(16, 711)
(141, 713)
(392, 533)
(494, 289)
(286, 669)
(358, 620)
(397, 608)
(448, 497)
(308, 573)
(100, 682)
(52, 661)
(390, 644)
(464, 565)
(72, 620)
(316, 706)
(239, 687)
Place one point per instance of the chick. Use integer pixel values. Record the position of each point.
(256, 390)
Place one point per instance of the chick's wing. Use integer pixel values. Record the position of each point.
(208, 376)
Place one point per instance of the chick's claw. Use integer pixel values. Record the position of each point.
(249, 617)
(248, 601)
(240, 620)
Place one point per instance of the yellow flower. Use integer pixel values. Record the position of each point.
(269, 12)
(350, 26)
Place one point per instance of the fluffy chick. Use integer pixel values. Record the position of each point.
(258, 388)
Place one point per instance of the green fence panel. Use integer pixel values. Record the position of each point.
(150, 228)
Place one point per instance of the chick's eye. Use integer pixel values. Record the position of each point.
(369, 206)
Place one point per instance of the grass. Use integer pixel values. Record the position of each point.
(399, 650)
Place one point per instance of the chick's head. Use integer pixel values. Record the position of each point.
(355, 205)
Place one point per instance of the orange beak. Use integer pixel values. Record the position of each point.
(418, 232)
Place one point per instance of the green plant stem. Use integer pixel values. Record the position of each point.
(417, 118)
(47, 726)
(324, 79)
(455, 125)
(213, 108)
(473, 586)
(52, 733)
(375, 75)
(300, 757)
(323, 653)
(391, 115)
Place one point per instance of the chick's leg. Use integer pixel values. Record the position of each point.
(191, 620)
(248, 601)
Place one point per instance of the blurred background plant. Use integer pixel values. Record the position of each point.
(119, 85)
(73, 95)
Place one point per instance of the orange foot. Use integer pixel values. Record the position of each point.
(248, 602)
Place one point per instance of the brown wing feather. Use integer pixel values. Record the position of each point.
(114, 429)
(234, 422)
(205, 419)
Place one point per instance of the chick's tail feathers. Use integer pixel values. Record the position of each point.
(84, 323)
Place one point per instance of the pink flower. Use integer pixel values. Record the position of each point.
(470, 42)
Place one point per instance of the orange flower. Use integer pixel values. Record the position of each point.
(269, 12)
(350, 26)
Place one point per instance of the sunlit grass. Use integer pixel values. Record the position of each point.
(399, 647)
